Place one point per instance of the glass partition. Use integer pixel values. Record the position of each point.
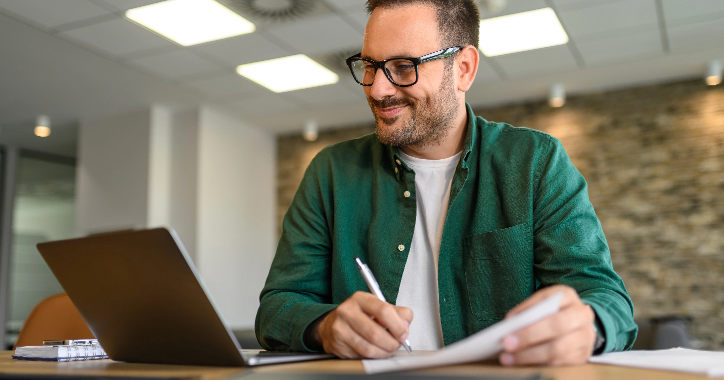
(44, 210)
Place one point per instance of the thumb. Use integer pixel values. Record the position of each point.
(405, 313)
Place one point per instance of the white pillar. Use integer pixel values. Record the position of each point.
(236, 212)
(203, 172)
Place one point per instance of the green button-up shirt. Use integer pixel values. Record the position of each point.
(518, 219)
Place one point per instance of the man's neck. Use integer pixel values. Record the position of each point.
(450, 146)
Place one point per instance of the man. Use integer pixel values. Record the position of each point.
(460, 219)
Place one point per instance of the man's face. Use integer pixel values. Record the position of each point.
(421, 114)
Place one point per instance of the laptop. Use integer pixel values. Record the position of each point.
(145, 302)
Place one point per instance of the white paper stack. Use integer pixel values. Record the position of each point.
(482, 345)
(64, 353)
(710, 363)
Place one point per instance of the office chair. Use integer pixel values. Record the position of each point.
(53, 318)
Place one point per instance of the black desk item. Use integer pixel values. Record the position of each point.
(143, 299)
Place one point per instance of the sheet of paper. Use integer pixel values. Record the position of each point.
(482, 345)
(710, 363)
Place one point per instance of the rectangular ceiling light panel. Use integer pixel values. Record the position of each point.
(191, 22)
(520, 32)
(288, 74)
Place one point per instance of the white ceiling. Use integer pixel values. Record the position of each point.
(76, 58)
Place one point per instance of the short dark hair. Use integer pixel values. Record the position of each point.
(458, 20)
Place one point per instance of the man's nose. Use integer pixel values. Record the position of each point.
(381, 87)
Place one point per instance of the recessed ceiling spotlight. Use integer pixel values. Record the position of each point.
(557, 96)
(714, 73)
(191, 22)
(288, 74)
(520, 32)
(42, 126)
(311, 130)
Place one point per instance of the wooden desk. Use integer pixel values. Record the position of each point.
(111, 368)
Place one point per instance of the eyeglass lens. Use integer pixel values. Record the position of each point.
(399, 71)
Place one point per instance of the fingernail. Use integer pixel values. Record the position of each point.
(510, 342)
(506, 359)
(407, 323)
(403, 338)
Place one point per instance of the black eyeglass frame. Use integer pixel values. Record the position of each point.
(440, 54)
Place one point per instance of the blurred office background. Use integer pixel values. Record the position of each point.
(141, 131)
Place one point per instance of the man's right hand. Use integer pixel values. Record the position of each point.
(350, 332)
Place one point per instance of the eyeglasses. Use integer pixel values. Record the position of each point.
(402, 72)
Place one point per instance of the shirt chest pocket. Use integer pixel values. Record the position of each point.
(498, 271)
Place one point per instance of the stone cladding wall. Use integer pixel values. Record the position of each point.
(654, 161)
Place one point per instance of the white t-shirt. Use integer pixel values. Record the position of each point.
(418, 289)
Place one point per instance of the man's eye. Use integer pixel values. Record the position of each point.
(402, 67)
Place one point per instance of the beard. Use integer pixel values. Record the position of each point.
(430, 118)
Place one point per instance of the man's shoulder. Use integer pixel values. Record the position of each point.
(350, 152)
(360, 144)
(503, 136)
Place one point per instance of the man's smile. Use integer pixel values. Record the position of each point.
(390, 112)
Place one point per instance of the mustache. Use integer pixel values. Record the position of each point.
(388, 102)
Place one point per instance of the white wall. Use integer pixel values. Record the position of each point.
(235, 209)
(112, 174)
(184, 175)
(203, 172)
(159, 167)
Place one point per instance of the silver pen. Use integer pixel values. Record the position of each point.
(369, 278)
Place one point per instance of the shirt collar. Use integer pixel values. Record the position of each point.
(398, 165)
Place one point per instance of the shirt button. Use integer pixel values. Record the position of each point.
(398, 162)
(401, 247)
(396, 170)
(407, 194)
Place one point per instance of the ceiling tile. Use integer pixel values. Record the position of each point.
(334, 94)
(117, 37)
(317, 35)
(516, 6)
(540, 61)
(695, 36)
(243, 49)
(609, 17)
(124, 5)
(174, 65)
(359, 17)
(263, 105)
(348, 5)
(678, 9)
(51, 14)
(226, 86)
(620, 48)
(353, 87)
(562, 5)
(486, 74)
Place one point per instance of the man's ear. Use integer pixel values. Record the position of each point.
(467, 63)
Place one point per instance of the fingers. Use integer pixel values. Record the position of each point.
(569, 296)
(350, 331)
(565, 321)
(564, 338)
(371, 331)
(364, 349)
(385, 314)
(569, 349)
(347, 344)
(405, 313)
